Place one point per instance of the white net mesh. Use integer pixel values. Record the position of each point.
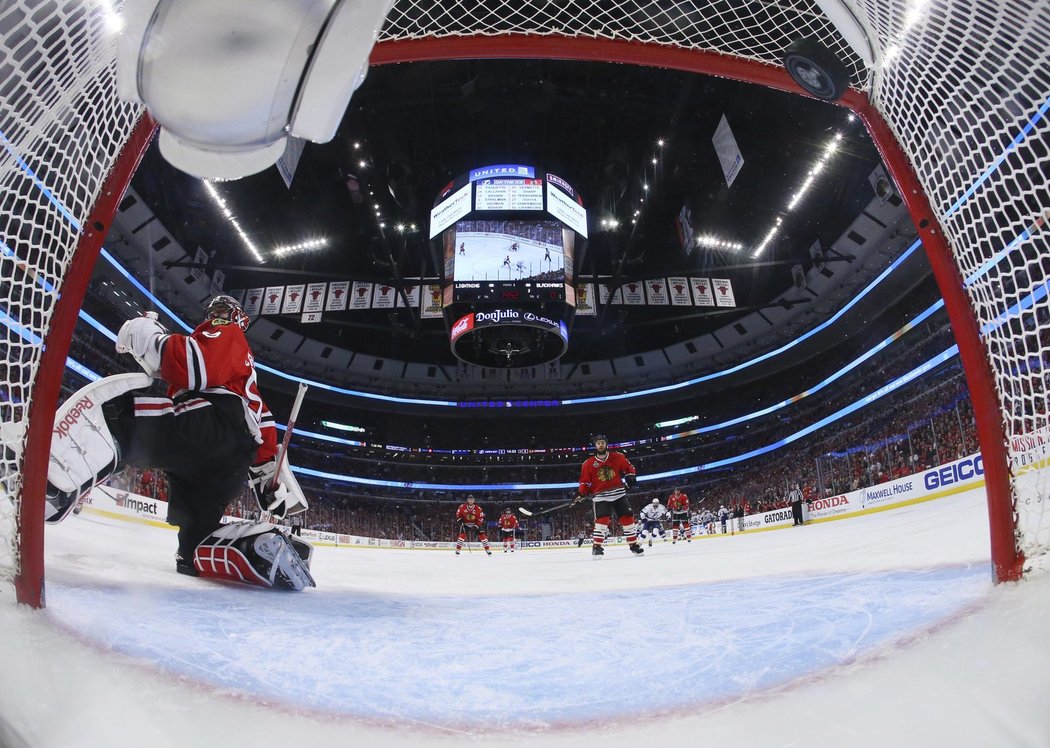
(966, 90)
(61, 128)
(963, 85)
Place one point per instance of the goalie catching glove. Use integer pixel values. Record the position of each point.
(283, 498)
(143, 338)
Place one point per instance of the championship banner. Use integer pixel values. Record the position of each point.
(383, 297)
(314, 297)
(702, 295)
(656, 291)
(585, 300)
(293, 299)
(679, 291)
(603, 293)
(218, 280)
(253, 299)
(633, 293)
(337, 296)
(552, 370)
(430, 301)
(200, 259)
(412, 293)
(723, 292)
(272, 300)
(361, 296)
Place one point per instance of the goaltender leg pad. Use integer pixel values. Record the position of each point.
(84, 451)
(255, 553)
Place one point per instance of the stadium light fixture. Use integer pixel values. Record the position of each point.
(305, 246)
(245, 239)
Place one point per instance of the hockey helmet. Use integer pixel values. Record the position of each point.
(599, 438)
(656, 501)
(228, 308)
(470, 497)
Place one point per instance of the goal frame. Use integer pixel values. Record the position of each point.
(1007, 560)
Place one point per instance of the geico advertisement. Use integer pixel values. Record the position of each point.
(946, 476)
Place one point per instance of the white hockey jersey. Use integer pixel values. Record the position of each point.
(652, 511)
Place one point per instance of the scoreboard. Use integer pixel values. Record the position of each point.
(508, 235)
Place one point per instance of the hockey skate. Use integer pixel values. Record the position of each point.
(84, 450)
(597, 551)
(255, 553)
(636, 549)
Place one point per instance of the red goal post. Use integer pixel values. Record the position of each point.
(956, 99)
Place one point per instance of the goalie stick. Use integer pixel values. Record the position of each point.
(283, 450)
(527, 513)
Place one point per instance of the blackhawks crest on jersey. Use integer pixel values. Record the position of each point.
(606, 473)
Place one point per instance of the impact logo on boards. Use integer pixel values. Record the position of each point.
(963, 470)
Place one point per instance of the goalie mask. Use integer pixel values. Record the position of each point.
(227, 308)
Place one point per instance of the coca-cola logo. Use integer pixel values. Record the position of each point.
(461, 325)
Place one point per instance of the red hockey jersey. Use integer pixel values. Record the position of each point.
(470, 514)
(508, 522)
(216, 359)
(602, 477)
(679, 503)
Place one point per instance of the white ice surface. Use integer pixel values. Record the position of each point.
(878, 631)
(483, 259)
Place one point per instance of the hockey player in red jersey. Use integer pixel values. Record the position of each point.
(210, 434)
(678, 503)
(471, 517)
(508, 527)
(603, 477)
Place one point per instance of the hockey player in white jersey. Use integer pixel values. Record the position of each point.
(652, 517)
(723, 517)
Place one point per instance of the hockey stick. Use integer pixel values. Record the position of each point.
(527, 513)
(283, 449)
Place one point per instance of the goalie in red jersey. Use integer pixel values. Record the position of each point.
(603, 477)
(209, 434)
(508, 527)
(471, 518)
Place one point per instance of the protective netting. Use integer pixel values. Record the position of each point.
(963, 85)
(966, 90)
(61, 128)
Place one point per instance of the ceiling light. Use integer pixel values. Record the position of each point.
(245, 239)
(362, 164)
(305, 246)
(357, 146)
(710, 241)
(660, 142)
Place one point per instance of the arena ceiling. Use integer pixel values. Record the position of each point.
(413, 127)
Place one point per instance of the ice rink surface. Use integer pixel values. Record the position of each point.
(874, 631)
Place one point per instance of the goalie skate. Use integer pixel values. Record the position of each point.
(255, 553)
(84, 451)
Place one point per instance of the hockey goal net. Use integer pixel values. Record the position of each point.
(956, 95)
